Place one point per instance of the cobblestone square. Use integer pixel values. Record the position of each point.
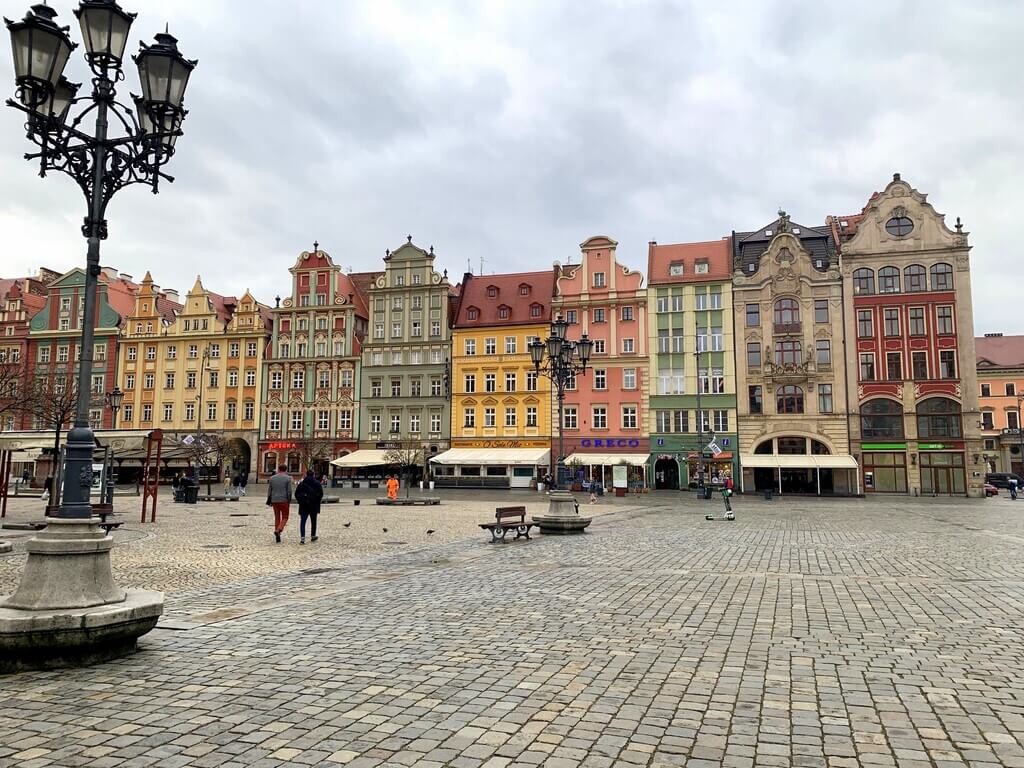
(879, 632)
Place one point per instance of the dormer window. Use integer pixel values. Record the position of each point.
(524, 289)
(504, 312)
(675, 268)
(492, 292)
(701, 267)
(536, 310)
(472, 313)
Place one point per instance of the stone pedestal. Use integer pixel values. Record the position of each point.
(562, 516)
(67, 609)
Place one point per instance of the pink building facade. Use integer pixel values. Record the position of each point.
(605, 422)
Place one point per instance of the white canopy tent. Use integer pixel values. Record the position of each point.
(814, 461)
(365, 457)
(494, 456)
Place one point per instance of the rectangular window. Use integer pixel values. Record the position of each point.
(345, 419)
(755, 397)
(169, 380)
(396, 387)
(510, 416)
(944, 320)
(249, 410)
(378, 330)
(128, 411)
(598, 315)
(599, 417)
(414, 423)
(627, 313)
(893, 366)
(276, 379)
(570, 417)
(435, 423)
(599, 279)
(510, 345)
(1011, 420)
(824, 398)
(490, 417)
(919, 362)
(865, 325)
(62, 354)
(415, 386)
(193, 352)
(250, 348)
(470, 346)
(298, 379)
(915, 321)
(823, 352)
(986, 390)
(215, 350)
(599, 347)
(716, 299)
(821, 310)
(721, 421)
(129, 381)
(396, 423)
(753, 354)
(891, 319)
(375, 423)
(273, 420)
(680, 421)
(677, 302)
(663, 421)
(168, 411)
(531, 416)
(323, 420)
(700, 301)
(232, 378)
(435, 327)
(490, 382)
(323, 379)
(753, 315)
(376, 387)
(231, 411)
(296, 421)
(490, 346)
(867, 367)
(132, 355)
(629, 417)
(233, 349)
(148, 381)
(947, 364)
(211, 411)
(97, 383)
(600, 379)
(147, 412)
(629, 378)
(172, 352)
(627, 346)
(570, 316)
(470, 381)
(214, 378)
(346, 378)
(662, 304)
(396, 330)
(531, 381)
(1010, 389)
(435, 386)
(510, 382)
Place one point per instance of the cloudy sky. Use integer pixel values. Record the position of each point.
(512, 131)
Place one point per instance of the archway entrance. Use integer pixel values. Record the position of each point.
(240, 455)
(666, 474)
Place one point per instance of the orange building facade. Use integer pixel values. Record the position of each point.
(1000, 367)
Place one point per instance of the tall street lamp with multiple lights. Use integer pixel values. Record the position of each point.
(103, 145)
(561, 360)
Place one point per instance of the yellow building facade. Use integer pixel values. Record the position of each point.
(194, 367)
(501, 407)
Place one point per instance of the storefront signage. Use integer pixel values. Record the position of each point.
(604, 442)
(388, 446)
(660, 441)
(670, 456)
(280, 446)
(500, 444)
(940, 446)
(884, 446)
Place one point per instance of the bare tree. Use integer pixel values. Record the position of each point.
(51, 401)
(12, 390)
(208, 451)
(405, 455)
(315, 449)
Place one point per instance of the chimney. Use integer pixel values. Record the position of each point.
(125, 276)
(172, 294)
(109, 272)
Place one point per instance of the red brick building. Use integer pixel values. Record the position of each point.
(20, 299)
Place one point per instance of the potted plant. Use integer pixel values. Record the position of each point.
(574, 466)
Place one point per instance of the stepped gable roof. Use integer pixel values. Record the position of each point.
(747, 247)
(662, 258)
(999, 351)
(477, 294)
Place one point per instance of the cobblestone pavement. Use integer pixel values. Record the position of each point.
(211, 543)
(806, 633)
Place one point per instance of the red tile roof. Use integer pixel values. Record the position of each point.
(120, 294)
(1000, 351)
(715, 252)
(844, 227)
(358, 284)
(507, 290)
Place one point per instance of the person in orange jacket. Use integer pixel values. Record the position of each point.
(392, 486)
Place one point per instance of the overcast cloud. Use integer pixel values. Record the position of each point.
(512, 131)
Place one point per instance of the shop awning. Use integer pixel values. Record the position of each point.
(365, 457)
(119, 440)
(722, 456)
(494, 456)
(608, 459)
(809, 461)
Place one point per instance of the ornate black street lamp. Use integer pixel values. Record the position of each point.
(560, 360)
(101, 161)
(113, 400)
(67, 598)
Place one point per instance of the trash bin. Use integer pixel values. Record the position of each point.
(707, 491)
(540, 487)
(191, 494)
(598, 489)
(768, 494)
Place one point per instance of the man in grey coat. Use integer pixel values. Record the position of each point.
(279, 496)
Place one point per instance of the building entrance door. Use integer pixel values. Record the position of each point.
(666, 475)
(943, 474)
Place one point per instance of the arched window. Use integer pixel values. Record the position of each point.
(793, 446)
(863, 282)
(914, 279)
(888, 280)
(787, 352)
(818, 448)
(789, 399)
(938, 417)
(787, 312)
(942, 277)
(881, 418)
(764, 448)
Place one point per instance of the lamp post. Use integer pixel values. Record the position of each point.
(113, 400)
(68, 566)
(1020, 434)
(561, 360)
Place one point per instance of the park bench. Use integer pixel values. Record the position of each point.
(507, 519)
(109, 525)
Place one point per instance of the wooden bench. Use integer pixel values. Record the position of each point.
(109, 525)
(507, 519)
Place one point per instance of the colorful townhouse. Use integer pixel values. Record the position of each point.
(791, 378)
(310, 389)
(404, 371)
(195, 367)
(605, 409)
(692, 354)
(914, 413)
(1000, 371)
(501, 408)
(20, 299)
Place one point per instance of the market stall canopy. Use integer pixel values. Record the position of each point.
(608, 459)
(367, 457)
(805, 461)
(494, 456)
(119, 440)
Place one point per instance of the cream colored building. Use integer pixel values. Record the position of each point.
(791, 383)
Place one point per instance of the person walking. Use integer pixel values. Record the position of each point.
(279, 496)
(309, 494)
(392, 486)
(244, 480)
(1013, 488)
(236, 483)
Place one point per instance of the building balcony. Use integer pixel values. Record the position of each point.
(788, 371)
(787, 328)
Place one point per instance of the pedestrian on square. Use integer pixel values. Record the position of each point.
(392, 486)
(309, 494)
(236, 483)
(279, 496)
(245, 479)
(1013, 488)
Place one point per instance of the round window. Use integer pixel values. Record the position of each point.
(899, 226)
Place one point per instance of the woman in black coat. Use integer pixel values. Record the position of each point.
(309, 493)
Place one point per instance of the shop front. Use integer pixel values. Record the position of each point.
(299, 455)
(943, 469)
(884, 467)
(678, 462)
(491, 464)
(592, 460)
